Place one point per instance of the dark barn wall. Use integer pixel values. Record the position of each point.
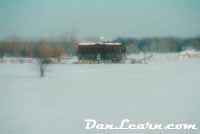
(114, 53)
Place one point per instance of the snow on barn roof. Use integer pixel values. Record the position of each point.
(98, 43)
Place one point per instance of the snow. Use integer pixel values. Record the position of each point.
(190, 53)
(164, 92)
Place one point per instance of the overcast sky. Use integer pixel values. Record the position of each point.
(108, 18)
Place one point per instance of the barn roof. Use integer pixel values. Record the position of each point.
(98, 43)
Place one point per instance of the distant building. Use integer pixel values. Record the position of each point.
(106, 52)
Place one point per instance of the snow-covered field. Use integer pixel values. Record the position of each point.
(165, 92)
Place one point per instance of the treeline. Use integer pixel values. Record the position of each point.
(160, 45)
(20, 48)
(57, 48)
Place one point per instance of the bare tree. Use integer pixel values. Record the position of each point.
(42, 66)
(43, 57)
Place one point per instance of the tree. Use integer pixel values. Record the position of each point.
(2, 50)
(57, 53)
(42, 53)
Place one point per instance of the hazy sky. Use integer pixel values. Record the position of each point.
(109, 18)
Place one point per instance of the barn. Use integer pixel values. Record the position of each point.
(101, 52)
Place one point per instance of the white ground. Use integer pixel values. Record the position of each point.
(162, 92)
